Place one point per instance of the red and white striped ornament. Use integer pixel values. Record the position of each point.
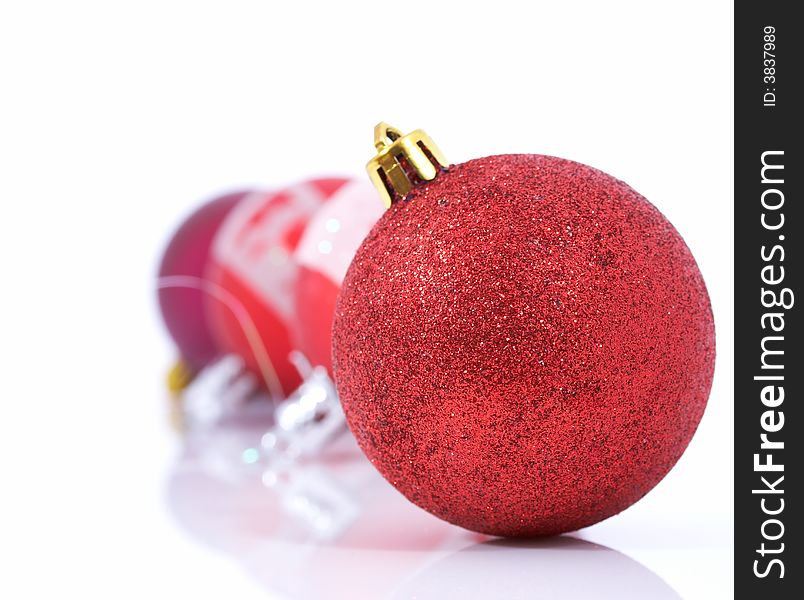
(253, 270)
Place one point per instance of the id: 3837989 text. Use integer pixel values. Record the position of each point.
(769, 65)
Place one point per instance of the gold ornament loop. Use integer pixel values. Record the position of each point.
(385, 135)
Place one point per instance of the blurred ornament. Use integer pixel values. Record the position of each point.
(300, 426)
(327, 247)
(309, 418)
(181, 297)
(252, 268)
(222, 391)
(523, 344)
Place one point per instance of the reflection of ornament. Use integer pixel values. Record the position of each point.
(542, 568)
(251, 264)
(310, 529)
(182, 303)
(324, 253)
(335, 528)
(523, 345)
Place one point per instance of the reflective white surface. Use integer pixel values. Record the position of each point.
(333, 528)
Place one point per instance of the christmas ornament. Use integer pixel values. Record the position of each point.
(523, 344)
(252, 269)
(327, 247)
(181, 297)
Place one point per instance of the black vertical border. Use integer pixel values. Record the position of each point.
(760, 128)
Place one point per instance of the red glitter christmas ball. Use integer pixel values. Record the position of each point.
(524, 345)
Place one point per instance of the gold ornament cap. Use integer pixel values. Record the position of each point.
(402, 161)
(179, 377)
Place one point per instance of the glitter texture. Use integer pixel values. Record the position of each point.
(523, 346)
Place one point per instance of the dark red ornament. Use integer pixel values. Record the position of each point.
(523, 345)
(181, 297)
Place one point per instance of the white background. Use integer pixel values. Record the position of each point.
(117, 117)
